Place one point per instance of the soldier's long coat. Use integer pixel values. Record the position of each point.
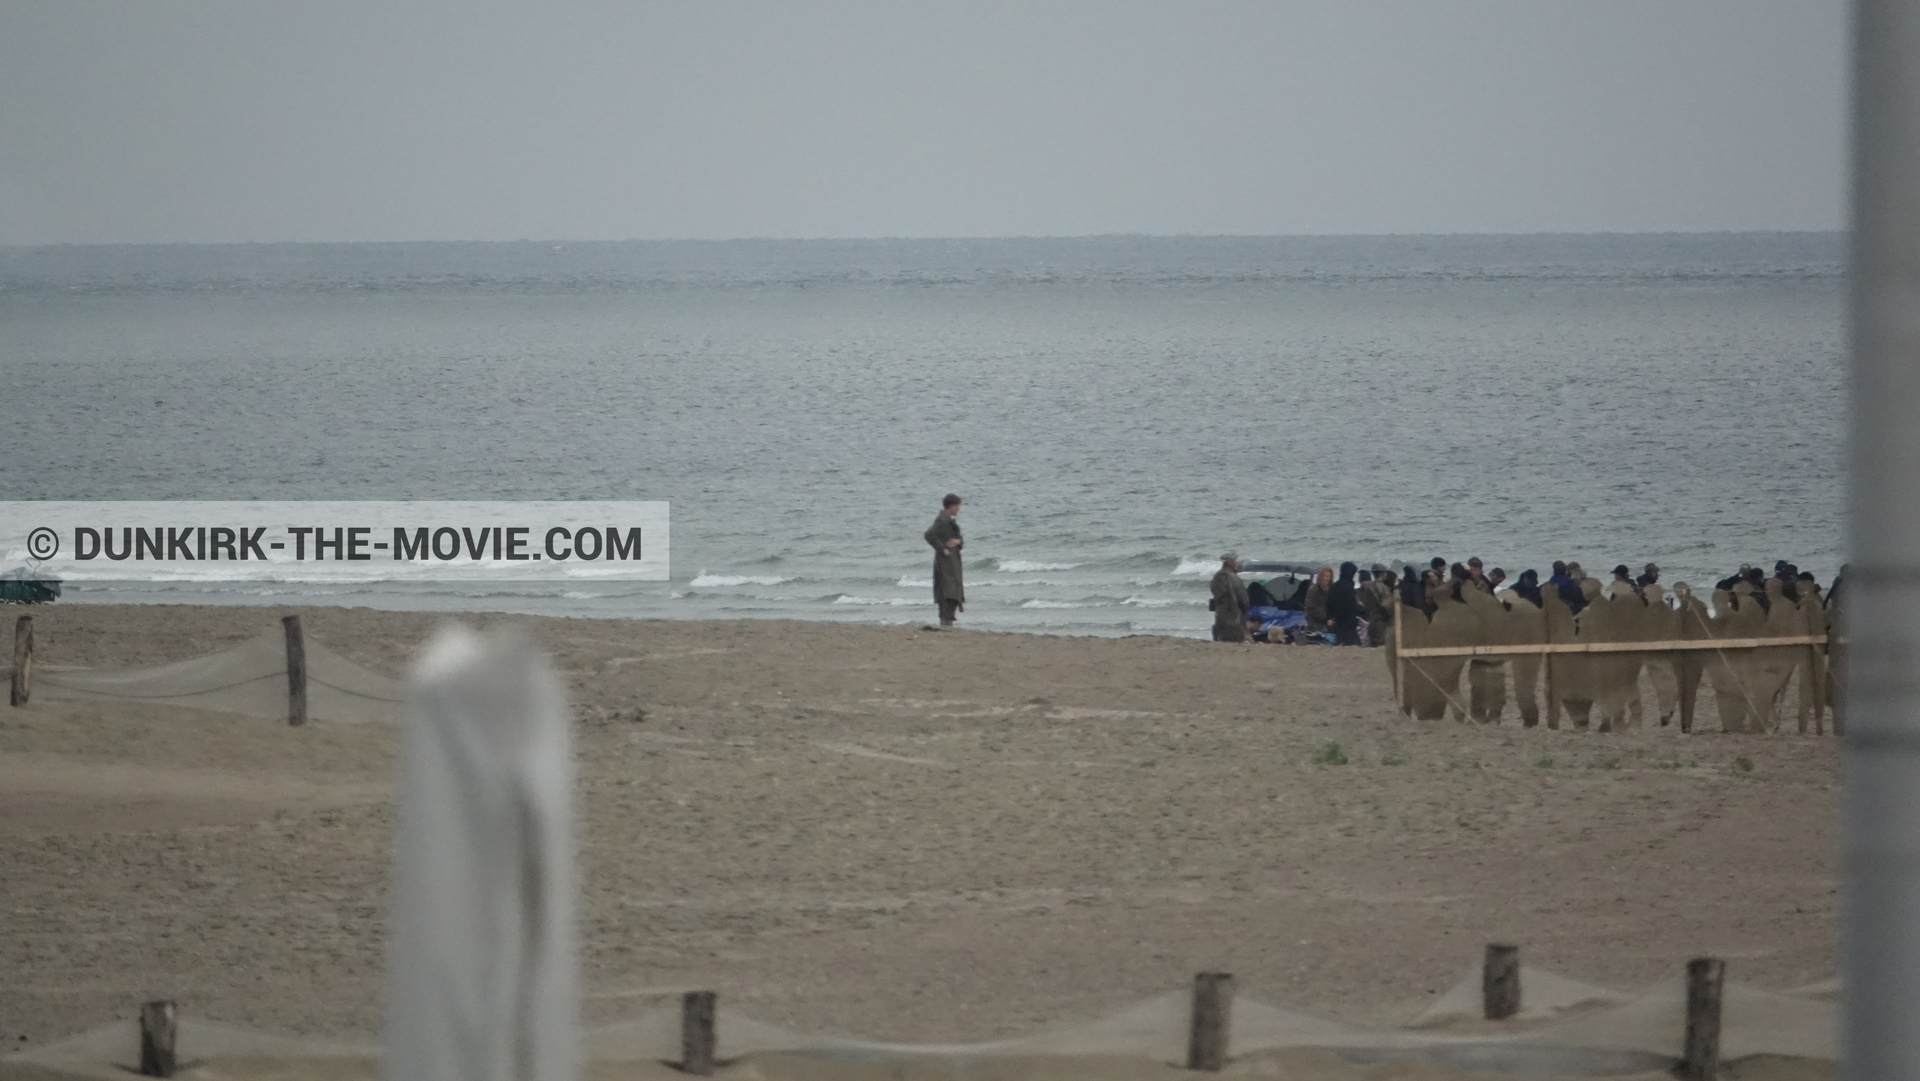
(948, 582)
(1229, 607)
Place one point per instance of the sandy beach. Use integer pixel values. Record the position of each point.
(907, 835)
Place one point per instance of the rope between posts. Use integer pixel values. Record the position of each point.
(1752, 710)
(54, 681)
(1448, 695)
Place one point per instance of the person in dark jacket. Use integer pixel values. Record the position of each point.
(949, 590)
(1413, 592)
(1569, 588)
(1229, 601)
(1376, 604)
(1343, 607)
(1528, 587)
(1258, 597)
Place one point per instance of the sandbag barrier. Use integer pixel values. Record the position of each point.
(1758, 659)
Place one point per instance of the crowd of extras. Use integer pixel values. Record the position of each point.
(1355, 607)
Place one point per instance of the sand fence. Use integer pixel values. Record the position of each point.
(281, 675)
(1566, 1028)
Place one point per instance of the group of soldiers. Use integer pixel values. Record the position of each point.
(1562, 648)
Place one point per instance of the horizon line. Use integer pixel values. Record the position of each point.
(929, 239)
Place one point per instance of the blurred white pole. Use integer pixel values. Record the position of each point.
(1881, 602)
(481, 984)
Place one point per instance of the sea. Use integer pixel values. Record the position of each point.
(1115, 411)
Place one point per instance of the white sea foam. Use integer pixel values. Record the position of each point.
(848, 598)
(1139, 601)
(574, 596)
(908, 581)
(1022, 566)
(707, 581)
(1038, 603)
(1197, 566)
(584, 571)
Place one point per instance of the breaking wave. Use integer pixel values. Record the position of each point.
(1022, 566)
(705, 580)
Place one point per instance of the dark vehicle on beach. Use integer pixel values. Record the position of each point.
(23, 586)
(1277, 602)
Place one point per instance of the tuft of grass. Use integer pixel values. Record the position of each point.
(1546, 762)
(1605, 763)
(1743, 764)
(1392, 758)
(1330, 755)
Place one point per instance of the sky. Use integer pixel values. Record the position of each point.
(164, 121)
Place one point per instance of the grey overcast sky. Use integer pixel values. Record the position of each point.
(168, 121)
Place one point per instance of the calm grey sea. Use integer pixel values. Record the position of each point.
(1115, 410)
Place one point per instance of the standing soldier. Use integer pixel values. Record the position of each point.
(1377, 599)
(1229, 601)
(949, 592)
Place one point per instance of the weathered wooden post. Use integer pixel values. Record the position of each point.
(296, 671)
(1500, 982)
(1546, 664)
(1212, 1014)
(1399, 662)
(697, 1038)
(22, 660)
(1705, 977)
(157, 1031)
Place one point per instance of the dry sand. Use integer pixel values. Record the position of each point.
(905, 835)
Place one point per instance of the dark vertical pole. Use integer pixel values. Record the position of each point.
(296, 671)
(1212, 1015)
(697, 1033)
(1500, 982)
(22, 661)
(1705, 977)
(157, 1031)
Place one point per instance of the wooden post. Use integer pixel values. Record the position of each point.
(1500, 982)
(1399, 662)
(1705, 976)
(1212, 1012)
(296, 671)
(157, 1031)
(22, 660)
(697, 1033)
(1546, 665)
